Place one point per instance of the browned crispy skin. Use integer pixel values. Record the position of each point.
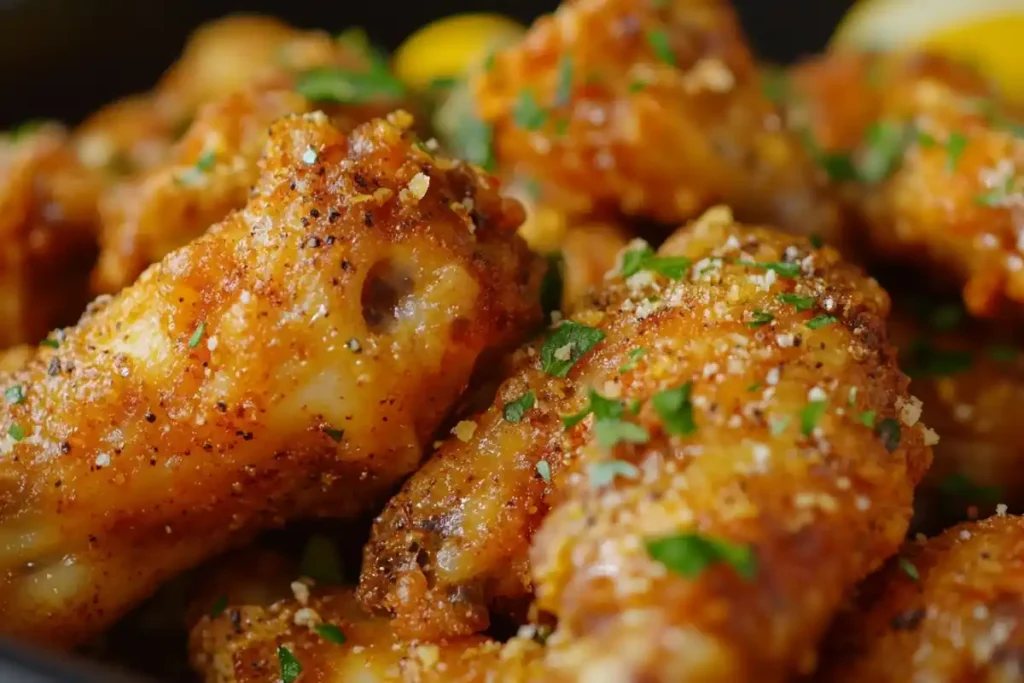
(642, 128)
(820, 511)
(291, 362)
(47, 234)
(128, 135)
(952, 204)
(962, 621)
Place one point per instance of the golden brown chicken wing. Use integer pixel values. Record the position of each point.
(731, 402)
(126, 136)
(651, 109)
(291, 362)
(47, 233)
(930, 160)
(946, 610)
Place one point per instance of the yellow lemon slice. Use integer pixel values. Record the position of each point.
(447, 48)
(988, 34)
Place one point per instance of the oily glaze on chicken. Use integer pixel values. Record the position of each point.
(292, 362)
(649, 109)
(930, 160)
(753, 402)
(947, 610)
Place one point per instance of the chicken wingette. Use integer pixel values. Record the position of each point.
(293, 361)
(732, 400)
(647, 108)
(947, 610)
(930, 159)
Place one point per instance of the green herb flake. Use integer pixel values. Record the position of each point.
(759, 318)
(819, 321)
(925, 139)
(637, 85)
(601, 474)
(609, 427)
(219, 606)
(643, 258)
(527, 113)
(838, 166)
(883, 149)
(961, 487)
(569, 342)
(206, 160)
(544, 470)
(290, 666)
(16, 432)
(442, 84)
(634, 356)
(336, 434)
(777, 427)
(15, 394)
(955, 145)
(775, 85)
(197, 335)
(659, 42)
(867, 418)
(781, 268)
(1005, 354)
(473, 140)
(331, 633)
(909, 569)
(810, 416)
(342, 86)
(754, 387)
(889, 430)
(675, 409)
(563, 89)
(513, 411)
(802, 303)
(309, 157)
(689, 554)
(996, 196)
(50, 343)
(817, 241)
(320, 561)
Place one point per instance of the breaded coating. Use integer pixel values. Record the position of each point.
(753, 402)
(930, 160)
(947, 610)
(650, 109)
(293, 361)
(126, 136)
(257, 611)
(47, 233)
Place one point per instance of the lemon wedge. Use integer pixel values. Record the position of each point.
(447, 48)
(989, 34)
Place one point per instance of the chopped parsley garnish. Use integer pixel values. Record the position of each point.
(527, 113)
(25, 128)
(802, 303)
(309, 156)
(336, 434)
(442, 83)
(775, 85)
(513, 411)
(16, 432)
(675, 409)
(634, 356)
(960, 486)
(197, 336)
(778, 426)
(909, 569)
(637, 85)
(331, 633)
(788, 270)
(290, 667)
(867, 418)
(925, 139)
(203, 164)
(50, 343)
(643, 258)
(544, 470)
(810, 416)
(955, 145)
(658, 40)
(601, 474)
(754, 387)
(690, 553)
(473, 140)
(817, 241)
(15, 394)
(924, 360)
(563, 89)
(219, 606)
(1002, 353)
(883, 149)
(342, 86)
(838, 166)
(566, 345)
(551, 286)
(996, 196)
(820, 321)
(320, 560)
(889, 430)
(609, 427)
(759, 318)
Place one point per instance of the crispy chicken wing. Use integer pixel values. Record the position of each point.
(930, 160)
(126, 136)
(753, 403)
(947, 610)
(47, 233)
(650, 109)
(291, 362)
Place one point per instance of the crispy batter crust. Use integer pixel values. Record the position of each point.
(961, 621)
(821, 505)
(292, 361)
(650, 109)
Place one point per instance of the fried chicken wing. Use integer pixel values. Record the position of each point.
(126, 136)
(291, 362)
(753, 402)
(649, 109)
(947, 610)
(930, 159)
(47, 233)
